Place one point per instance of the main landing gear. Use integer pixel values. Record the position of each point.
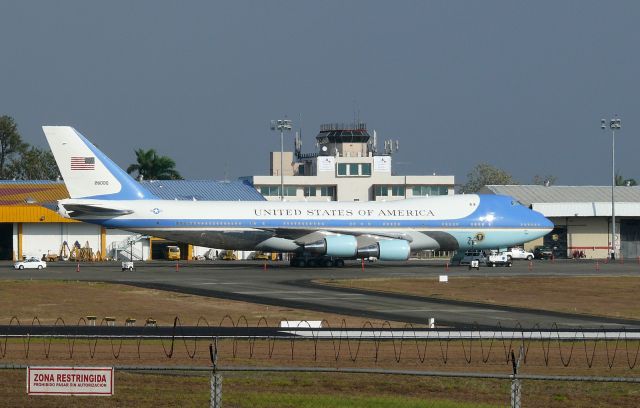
(314, 262)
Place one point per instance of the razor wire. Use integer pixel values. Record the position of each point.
(476, 348)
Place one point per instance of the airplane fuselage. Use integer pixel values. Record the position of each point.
(438, 223)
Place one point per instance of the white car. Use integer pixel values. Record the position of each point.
(31, 263)
(518, 253)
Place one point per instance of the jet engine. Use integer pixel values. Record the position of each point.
(344, 246)
(387, 250)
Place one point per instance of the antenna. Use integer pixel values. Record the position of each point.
(391, 146)
(374, 147)
(298, 144)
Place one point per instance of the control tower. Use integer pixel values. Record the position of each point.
(344, 140)
(346, 166)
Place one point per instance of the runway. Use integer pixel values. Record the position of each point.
(284, 286)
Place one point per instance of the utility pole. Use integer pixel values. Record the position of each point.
(614, 124)
(281, 125)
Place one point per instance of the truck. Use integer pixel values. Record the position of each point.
(518, 253)
(172, 252)
(498, 259)
(542, 252)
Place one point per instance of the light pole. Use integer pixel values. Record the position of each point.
(614, 124)
(281, 125)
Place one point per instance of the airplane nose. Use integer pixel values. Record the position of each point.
(544, 222)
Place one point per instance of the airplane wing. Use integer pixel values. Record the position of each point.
(308, 236)
(302, 236)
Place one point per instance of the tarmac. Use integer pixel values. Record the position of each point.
(276, 283)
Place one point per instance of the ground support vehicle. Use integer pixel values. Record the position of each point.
(228, 255)
(542, 252)
(261, 256)
(498, 259)
(172, 253)
(473, 255)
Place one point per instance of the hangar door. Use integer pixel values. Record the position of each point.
(6, 241)
(557, 240)
(630, 238)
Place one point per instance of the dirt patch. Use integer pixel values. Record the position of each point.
(73, 301)
(603, 296)
(50, 300)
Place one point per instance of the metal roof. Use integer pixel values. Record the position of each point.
(20, 192)
(203, 190)
(573, 201)
(530, 194)
(23, 192)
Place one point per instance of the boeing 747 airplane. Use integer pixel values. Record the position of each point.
(325, 232)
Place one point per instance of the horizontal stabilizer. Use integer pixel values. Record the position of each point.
(82, 210)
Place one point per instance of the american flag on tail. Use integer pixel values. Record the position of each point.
(83, 163)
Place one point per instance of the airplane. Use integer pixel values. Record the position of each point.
(323, 233)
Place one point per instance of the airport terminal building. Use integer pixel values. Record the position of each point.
(346, 167)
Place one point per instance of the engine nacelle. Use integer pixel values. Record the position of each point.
(344, 246)
(387, 250)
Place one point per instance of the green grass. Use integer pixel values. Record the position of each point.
(259, 400)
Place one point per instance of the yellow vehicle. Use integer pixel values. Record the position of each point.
(261, 256)
(228, 255)
(172, 253)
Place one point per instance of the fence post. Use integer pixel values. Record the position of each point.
(216, 379)
(516, 386)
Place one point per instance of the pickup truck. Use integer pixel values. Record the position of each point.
(498, 259)
(518, 253)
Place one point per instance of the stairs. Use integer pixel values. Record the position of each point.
(126, 250)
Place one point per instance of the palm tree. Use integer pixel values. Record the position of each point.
(151, 166)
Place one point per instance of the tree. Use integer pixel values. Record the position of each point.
(485, 174)
(33, 164)
(544, 180)
(621, 181)
(10, 143)
(151, 166)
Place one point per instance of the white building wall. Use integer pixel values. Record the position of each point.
(82, 233)
(15, 241)
(351, 188)
(39, 239)
(117, 236)
(199, 251)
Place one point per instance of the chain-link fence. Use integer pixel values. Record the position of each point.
(404, 364)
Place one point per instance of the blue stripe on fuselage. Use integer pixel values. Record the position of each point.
(492, 212)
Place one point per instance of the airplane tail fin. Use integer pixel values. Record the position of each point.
(87, 172)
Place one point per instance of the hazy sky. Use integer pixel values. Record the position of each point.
(520, 85)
